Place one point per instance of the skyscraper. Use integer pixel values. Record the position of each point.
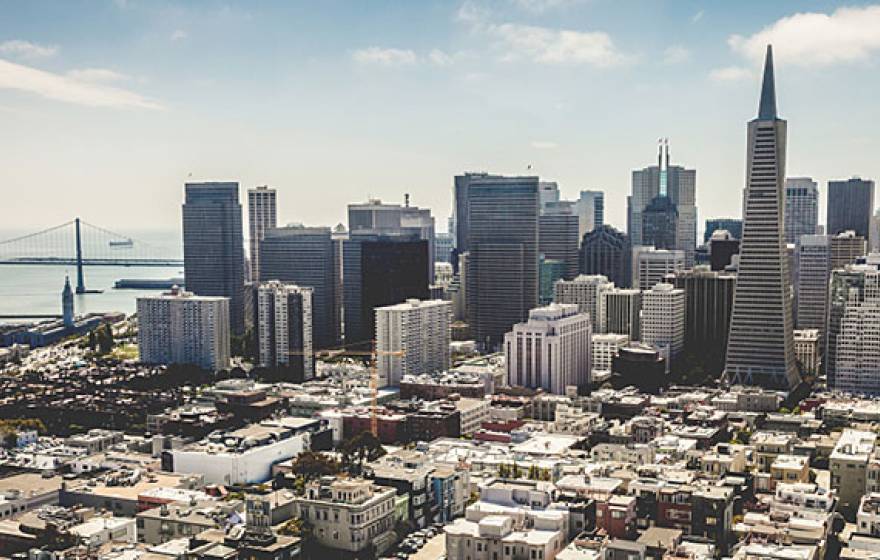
(558, 236)
(608, 252)
(620, 311)
(811, 290)
(850, 205)
(801, 208)
(590, 208)
(262, 215)
(502, 242)
(850, 286)
(585, 292)
(412, 338)
(650, 266)
(760, 348)
(213, 245)
(663, 318)
(283, 324)
(305, 256)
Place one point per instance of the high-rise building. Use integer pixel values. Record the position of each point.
(650, 266)
(605, 348)
(558, 236)
(412, 338)
(663, 318)
(846, 248)
(590, 208)
(550, 271)
(379, 270)
(213, 245)
(305, 256)
(178, 327)
(857, 358)
(262, 215)
(801, 208)
(608, 252)
(850, 206)
(283, 324)
(444, 243)
(548, 193)
(732, 225)
(551, 351)
(584, 292)
(807, 349)
(811, 289)
(722, 247)
(849, 287)
(760, 348)
(874, 234)
(672, 219)
(620, 312)
(67, 312)
(502, 245)
(708, 306)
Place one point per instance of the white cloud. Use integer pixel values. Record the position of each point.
(179, 35)
(697, 16)
(440, 58)
(26, 49)
(816, 39)
(70, 90)
(385, 57)
(730, 74)
(556, 46)
(540, 6)
(471, 13)
(544, 145)
(96, 75)
(676, 54)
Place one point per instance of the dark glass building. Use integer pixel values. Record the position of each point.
(213, 245)
(607, 251)
(660, 223)
(558, 239)
(850, 204)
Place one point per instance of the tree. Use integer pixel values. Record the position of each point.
(359, 449)
(311, 465)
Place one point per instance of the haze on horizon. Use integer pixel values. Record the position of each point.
(109, 107)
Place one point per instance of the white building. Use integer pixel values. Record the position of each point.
(262, 215)
(551, 350)
(858, 348)
(283, 325)
(650, 265)
(604, 348)
(412, 338)
(663, 308)
(178, 327)
(806, 350)
(584, 291)
(620, 312)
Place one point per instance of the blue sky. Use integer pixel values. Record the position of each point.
(109, 106)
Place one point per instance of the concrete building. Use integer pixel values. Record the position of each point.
(709, 304)
(801, 208)
(722, 248)
(283, 326)
(558, 238)
(305, 256)
(412, 338)
(857, 348)
(551, 351)
(663, 318)
(846, 248)
(848, 465)
(651, 265)
(760, 348)
(813, 258)
(590, 209)
(850, 206)
(807, 350)
(213, 246)
(854, 289)
(620, 311)
(605, 348)
(607, 252)
(178, 327)
(583, 291)
(262, 215)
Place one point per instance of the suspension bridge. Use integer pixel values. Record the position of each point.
(82, 244)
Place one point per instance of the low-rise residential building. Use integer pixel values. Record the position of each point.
(848, 465)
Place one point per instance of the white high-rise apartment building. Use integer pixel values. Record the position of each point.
(262, 215)
(801, 208)
(550, 351)
(283, 326)
(604, 349)
(583, 291)
(650, 266)
(412, 338)
(663, 309)
(178, 327)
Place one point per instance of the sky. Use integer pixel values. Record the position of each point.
(108, 106)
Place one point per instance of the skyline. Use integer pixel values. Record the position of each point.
(129, 98)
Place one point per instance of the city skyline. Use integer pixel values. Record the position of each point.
(191, 90)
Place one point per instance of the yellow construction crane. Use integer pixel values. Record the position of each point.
(373, 354)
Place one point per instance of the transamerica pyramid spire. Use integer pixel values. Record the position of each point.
(767, 106)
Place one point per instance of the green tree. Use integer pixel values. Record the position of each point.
(359, 449)
(312, 464)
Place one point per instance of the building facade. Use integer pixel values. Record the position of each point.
(620, 311)
(590, 208)
(283, 326)
(583, 291)
(262, 215)
(663, 318)
(651, 265)
(850, 206)
(801, 208)
(412, 338)
(558, 236)
(608, 252)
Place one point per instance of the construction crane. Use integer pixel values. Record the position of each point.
(373, 354)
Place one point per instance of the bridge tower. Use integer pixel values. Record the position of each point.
(80, 281)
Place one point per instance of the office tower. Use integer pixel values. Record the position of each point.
(850, 206)
(608, 252)
(443, 246)
(590, 208)
(732, 225)
(708, 307)
(671, 219)
(67, 313)
(379, 270)
(305, 256)
(620, 312)
(374, 217)
(178, 327)
(213, 245)
(283, 323)
(604, 348)
(650, 266)
(760, 349)
(584, 292)
(722, 247)
(807, 350)
(857, 359)
(458, 290)
(550, 271)
(262, 215)
(412, 338)
(663, 318)
(548, 193)
(558, 236)
(801, 208)
(811, 289)
(846, 248)
(551, 351)
(460, 212)
(874, 234)
(502, 244)
(849, 287)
